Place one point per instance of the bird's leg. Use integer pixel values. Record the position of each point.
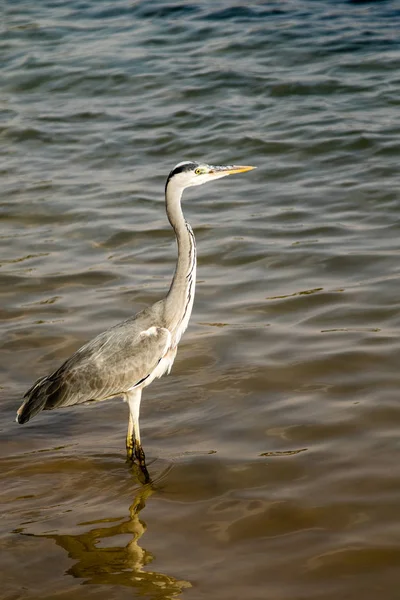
(139, 452)
(130, 440)
(133, 446)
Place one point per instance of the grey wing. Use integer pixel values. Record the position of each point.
(109, 365)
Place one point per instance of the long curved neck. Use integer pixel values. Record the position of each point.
(179, 300)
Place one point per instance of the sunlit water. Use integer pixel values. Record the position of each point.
(273, 445)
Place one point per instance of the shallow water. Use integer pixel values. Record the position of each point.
(273, 445)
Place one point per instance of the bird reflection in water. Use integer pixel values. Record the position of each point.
(99, 563)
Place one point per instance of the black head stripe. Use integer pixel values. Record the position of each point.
(187, 166)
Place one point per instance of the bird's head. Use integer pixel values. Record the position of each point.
(188, 173)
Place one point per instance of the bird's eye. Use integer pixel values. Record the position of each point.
(199, 171)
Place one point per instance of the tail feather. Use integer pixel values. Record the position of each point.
(36, 398)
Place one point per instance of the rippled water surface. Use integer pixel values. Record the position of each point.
(274, 444)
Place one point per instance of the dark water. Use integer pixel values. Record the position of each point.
(274, 443)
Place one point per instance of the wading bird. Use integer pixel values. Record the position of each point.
(129, 356)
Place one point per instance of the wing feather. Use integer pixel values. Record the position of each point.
(111, 364)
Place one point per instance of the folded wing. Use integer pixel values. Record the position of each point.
(109, 365)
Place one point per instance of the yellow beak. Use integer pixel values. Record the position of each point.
(238, 169)
(230, 170)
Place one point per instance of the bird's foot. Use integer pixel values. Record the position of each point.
(135, 457)
(139, 454)
(140, 457)
(134, 451)
(141, 473)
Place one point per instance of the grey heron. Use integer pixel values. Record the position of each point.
(123, 360)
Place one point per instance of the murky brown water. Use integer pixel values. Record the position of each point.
(273, 445)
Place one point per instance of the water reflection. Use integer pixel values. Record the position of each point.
(100, 561)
